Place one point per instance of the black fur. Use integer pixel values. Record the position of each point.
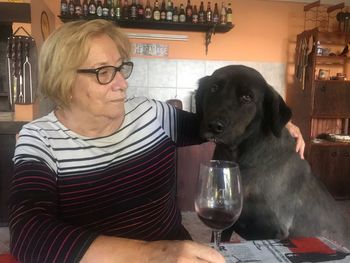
(245, 117)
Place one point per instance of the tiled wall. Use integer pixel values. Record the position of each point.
(165, 79)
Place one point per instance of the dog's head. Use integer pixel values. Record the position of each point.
(235, 101)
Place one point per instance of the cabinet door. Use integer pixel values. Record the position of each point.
(331, 99)
(343, 181)
(331, 164)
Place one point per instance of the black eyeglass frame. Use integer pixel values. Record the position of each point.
(116, 69)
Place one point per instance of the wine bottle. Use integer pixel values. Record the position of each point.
(229, 14)
(216, 16)
(99, 9)
(118, 10)
(125, 11)
(169, 11)
(133, 10)
(148, 11)
(195, 15)
(105, 9)
(182, 14)
(209, 14)
(156, 11)
(176, 15)
(85, 8)
(64, 8)
(111, 7)
(163, 11)
(223, 19)
(71, 8)
(188, 11)
(92, 8)
(201, 14)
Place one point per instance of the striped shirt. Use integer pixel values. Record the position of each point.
(67, 189)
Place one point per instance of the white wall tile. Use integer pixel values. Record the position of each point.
(139, 75)
(189, 72)
(162, 73)
(165, 79)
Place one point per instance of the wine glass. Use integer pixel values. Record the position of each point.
(219, 198)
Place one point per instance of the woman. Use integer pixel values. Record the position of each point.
(94, 179)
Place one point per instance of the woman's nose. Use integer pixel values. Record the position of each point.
(119, 82)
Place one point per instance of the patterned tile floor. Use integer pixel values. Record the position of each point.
(196, 228)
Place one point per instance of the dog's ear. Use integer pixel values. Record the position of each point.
(276, 111)
(202, 83)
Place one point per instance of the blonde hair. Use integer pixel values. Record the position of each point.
(66, 49)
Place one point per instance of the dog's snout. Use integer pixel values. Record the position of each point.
(216, 126)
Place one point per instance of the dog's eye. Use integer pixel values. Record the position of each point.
(214, 88)
(246, 98)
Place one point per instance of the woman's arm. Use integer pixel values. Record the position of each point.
(296, 133)
(113, 250)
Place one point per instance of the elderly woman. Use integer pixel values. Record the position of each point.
(94, 180)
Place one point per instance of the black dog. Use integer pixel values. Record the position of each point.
(245, 117)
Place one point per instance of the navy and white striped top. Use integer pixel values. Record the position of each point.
(67, 189)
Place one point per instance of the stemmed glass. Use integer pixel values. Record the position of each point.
(219, 198)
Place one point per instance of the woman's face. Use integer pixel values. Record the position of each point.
(91, 98)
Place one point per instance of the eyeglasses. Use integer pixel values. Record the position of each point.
(106, 74)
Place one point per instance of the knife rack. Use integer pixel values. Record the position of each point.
(21, 65)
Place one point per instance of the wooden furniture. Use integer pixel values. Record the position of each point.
(321, 105)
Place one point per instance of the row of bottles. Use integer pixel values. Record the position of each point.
(116, 10)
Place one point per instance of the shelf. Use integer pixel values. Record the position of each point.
(332, 81)
(208, 29)
(325, 143)
(331, 60)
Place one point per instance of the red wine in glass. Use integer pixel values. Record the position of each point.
(219, 197)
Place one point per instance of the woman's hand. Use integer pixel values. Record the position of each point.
(181, 251)
(114, 249)
(300, 143)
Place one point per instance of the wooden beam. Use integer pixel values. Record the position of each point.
(312, 5)
(335, 7)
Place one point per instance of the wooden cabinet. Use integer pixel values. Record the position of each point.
(331, 162)
(320, 100)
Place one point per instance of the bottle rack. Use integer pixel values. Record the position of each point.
(208, 29)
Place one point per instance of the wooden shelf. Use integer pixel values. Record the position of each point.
(207, 28)
(331, 60)
(326, 143)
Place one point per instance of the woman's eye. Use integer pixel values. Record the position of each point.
(103, 72)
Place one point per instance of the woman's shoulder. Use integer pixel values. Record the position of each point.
(45, 122)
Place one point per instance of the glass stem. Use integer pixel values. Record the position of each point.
(217, 239)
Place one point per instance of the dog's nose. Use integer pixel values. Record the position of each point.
(216, 127)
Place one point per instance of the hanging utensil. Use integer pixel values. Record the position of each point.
(21, 95)
(8, 54)
(27, 67)
(14, 70)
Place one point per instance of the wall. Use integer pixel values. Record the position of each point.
(263, 37)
